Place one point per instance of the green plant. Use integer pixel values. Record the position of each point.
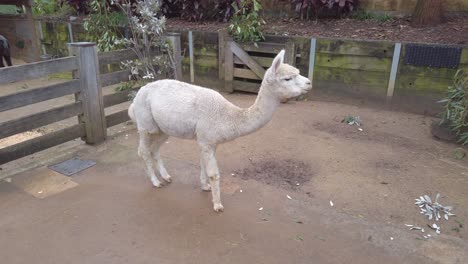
(147, 40)
(104, 25)
(56, 7)
(246, 22)
(123, 86)
(456, 107)
(44, 7)
(361, 14)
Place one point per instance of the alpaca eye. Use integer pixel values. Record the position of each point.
(287, 79)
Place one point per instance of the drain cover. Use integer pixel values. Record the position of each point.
(72, 166)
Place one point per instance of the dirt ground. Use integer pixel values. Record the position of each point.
(110, 213)
(453, 31)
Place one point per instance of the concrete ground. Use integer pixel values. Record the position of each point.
(110, 213)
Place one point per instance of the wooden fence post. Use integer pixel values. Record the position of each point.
(91, 93)
(222, 38)
(228, 67)
(290, 56)
(174, 38)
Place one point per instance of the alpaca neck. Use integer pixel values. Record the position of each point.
(260, 113)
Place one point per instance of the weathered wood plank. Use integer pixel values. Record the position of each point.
(22, 124)
(114, 77)
(290, 55)
(363, 63)
(246, 86)
(174, 39)
(378, 80)
(222, 38)
(228, 67)
(245, 73)
(404, 69)
(117, 118)
(36, 69)
(464, 56)
(118, 98)
(360, 48)
(243, 56)
(264, 47)
(263, 61)
(24, 98)
(116, 56)
(422, 84)
(91, 94)
(34, 145)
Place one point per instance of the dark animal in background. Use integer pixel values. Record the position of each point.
(4, 51)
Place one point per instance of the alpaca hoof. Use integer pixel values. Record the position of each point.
(218, 207)
(167, 178)
(156, 183)
(206, 188)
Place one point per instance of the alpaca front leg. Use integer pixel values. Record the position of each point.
(211, 169)
(144, 151)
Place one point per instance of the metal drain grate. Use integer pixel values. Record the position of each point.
(72, 166)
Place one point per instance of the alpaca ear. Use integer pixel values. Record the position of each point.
(277, 61)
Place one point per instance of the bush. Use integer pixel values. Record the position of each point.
(103, 25)
(456, 107)
(246, 22)
(317, 7)
(199, 10)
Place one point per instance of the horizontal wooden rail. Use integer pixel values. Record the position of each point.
(27, 123)
(37, 69)
(116, 56)
(263, 61)
(245, 73)
(117, 118)
(117, 98)
(20, 99)
(246, 86)
(37, 144)
(355, 48)
(272, 48)
(114, 77)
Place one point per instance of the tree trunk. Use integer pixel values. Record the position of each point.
(427, 13)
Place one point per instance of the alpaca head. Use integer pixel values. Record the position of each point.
(284, 80)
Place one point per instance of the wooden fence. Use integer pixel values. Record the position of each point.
(89, 105)
(243, 65)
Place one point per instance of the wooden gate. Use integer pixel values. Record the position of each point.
(243, 65)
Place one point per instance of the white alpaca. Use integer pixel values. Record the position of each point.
(171, 108)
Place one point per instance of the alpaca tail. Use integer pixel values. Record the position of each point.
(131, 114)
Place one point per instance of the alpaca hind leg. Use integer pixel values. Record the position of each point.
(158, 141)
(205, 186)
(211, 168)
(144, 151)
